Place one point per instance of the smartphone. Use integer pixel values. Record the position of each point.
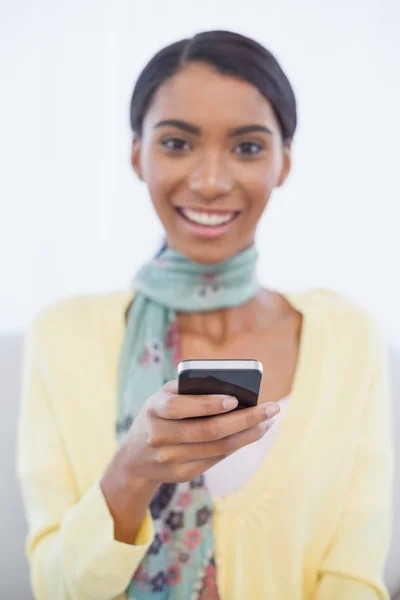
(239, 378)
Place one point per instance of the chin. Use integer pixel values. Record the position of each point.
(208, 253)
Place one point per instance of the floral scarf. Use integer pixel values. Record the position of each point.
(180, 563)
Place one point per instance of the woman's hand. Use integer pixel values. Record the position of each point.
(171, 441)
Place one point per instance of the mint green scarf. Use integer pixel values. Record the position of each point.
(180, 564)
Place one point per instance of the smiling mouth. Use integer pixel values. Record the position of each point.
(207, 218)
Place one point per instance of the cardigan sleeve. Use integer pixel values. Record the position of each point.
(353, 566)
(71, 547)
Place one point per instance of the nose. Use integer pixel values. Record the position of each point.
(212, 178)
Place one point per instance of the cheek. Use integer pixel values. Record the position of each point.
(257, 183)
(161, 174)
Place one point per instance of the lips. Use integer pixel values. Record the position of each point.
(207, 223)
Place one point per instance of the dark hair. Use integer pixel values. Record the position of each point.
(231, 54)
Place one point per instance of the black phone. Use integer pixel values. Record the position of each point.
(239, 378)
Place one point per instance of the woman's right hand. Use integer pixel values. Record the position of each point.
(171, 441)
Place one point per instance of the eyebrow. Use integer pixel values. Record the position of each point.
(193, 129)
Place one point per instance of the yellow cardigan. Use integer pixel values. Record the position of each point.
(312, 523)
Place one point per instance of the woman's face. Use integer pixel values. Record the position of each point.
(211, 154)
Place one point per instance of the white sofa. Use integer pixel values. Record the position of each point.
(14, 578)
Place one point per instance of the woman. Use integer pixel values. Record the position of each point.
(128, 489)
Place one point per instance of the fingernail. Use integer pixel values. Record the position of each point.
(271, 409)
(230, 403)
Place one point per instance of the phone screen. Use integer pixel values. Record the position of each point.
(243, 384)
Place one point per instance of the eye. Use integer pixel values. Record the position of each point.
(249, 148)
(175, 144)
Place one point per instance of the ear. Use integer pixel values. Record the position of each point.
(135, 157)
(286, 164)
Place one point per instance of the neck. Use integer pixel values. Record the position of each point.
(219, 327)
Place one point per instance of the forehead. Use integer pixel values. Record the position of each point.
(203, 96)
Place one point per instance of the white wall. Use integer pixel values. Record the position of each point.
(73, 218)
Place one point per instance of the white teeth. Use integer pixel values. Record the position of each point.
(203, 218)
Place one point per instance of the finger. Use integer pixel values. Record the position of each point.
(220, 426)
(171, 387)
(169, 405)
(219, 449)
